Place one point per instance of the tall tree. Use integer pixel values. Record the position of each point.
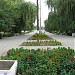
(64, 9)
(29, 15)
(16, 15)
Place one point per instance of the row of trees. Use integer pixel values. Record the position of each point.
(16, 15)
(61, 17)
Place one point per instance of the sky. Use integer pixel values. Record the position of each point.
(44, 10)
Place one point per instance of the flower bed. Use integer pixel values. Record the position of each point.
(42, 43)
(59, 61)
(41, 36)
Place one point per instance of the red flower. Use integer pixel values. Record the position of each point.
(41, 52)
(69, 59)
(53, 60)
(57, 56)
(16, 54)
(28, 58)
(73, 58)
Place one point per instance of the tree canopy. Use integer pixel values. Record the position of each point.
(16, 15)
(62, 16)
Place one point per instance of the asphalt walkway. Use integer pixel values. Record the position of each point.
(12, 42)
(67, 41)
(15, 41)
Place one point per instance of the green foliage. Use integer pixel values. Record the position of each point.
(41, 36)
(61, 18)
(7, 34)
(28, 11)
(16, 15)
(42, 43)
(6, 16)
(57, 61)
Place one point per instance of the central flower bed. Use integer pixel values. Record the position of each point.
(42, 43)
(41, 36)
(59, 61)
(44, 40)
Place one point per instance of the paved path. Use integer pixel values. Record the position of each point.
(15, 41)
(12, 42)
(67, 41)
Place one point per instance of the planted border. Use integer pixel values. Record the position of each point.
(57, 61)
(42, 43)
(41, 36)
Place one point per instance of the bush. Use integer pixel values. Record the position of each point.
(57, 61)
(8, 34)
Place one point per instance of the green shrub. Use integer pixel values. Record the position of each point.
(42, 43)
(41, 36)
(8, 34)
(57, 61)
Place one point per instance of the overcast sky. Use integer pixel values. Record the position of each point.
(44, 10)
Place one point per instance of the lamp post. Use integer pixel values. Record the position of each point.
(37, 16)
(40, 15)
(37, 23)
